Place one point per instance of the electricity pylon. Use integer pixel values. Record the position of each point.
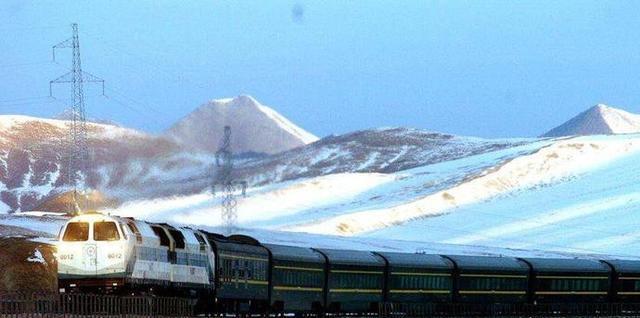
(78, 149)
(223, 178)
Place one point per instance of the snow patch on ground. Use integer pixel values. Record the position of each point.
(563, 159)
(4, 209)
(263, 203)
(287, 125)
(36, 257)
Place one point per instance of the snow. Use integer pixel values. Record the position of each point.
(318, 241)
(593, 212)
(38, 213)
(8, 122)
(599, 119)
(262, 204)
(43, 224)
(561, 160)
(620, 121)
(113, 132)
(255, 127)
(286, 205)
(4, 208)
(287, 125)
(369, 162)
(569, 195)
(36, 257)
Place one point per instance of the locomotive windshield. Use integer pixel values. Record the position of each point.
(76, 231)
(105, 231)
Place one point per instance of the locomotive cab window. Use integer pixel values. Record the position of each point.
(76, 232)
(105, 231)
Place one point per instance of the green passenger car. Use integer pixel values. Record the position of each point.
(483, 279)
(241, 274)
(355, 280)
(418, 282)
(297, 279)
(569, 280)
(627, 279)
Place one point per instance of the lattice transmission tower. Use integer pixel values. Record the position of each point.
(77, 146)
(223, 178)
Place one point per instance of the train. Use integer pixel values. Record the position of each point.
(238, 274)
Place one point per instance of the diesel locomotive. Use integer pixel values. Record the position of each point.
(238, 274)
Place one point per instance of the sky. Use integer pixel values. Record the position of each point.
(480, 68)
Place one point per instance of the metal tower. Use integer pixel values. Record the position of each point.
(78, 150)
(224, 180)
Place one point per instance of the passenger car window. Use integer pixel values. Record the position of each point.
(76, 232)
(164, 239)
(105, 231)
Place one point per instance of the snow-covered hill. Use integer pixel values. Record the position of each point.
(255, 128)
(576, 195)
(412, 188)
(131, 165)
(125, 163)
(598, 120)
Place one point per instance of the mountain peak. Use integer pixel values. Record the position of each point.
(255, 127)
(600, 119)
(238, 101)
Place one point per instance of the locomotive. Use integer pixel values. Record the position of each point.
(238, 274)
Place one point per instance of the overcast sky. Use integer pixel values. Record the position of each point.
(482, 68)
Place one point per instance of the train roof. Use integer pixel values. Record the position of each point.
(416, 260)
(294, 253)
(352, 257)
(235, 243)
(488, 263)
(625, 266)
(92, 217)
(567, 265)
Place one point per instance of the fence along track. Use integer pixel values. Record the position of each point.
(48, 305)
(78, 305)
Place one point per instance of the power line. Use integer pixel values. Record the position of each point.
(23, 64)
(24, 99)
(29, 28)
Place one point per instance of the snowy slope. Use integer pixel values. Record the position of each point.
(572, 195)
(130, 165)
(47, 228)
(383, 150)
(596, 211)
(555, 163)
(298, 201)
(124, 162)
(598, 120)
(9, 122)
(255, 128)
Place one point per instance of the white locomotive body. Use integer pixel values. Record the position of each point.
(114, 253)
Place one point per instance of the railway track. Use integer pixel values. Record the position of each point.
(45, 305)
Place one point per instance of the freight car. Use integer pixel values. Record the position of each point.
(238, 274)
